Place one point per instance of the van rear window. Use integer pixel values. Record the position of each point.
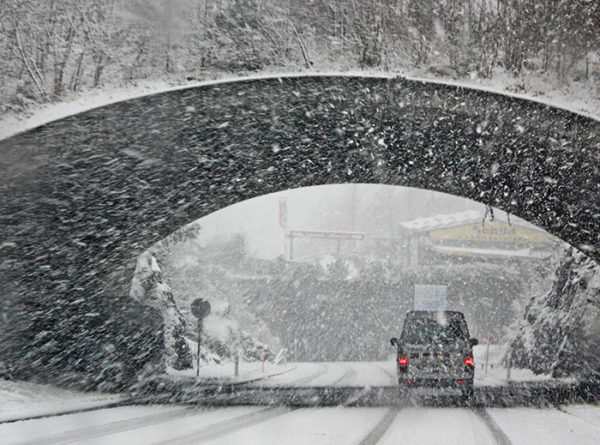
(425, 331)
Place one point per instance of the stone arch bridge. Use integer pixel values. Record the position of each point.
(84, 195)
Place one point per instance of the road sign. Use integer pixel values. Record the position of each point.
(326, 235)
(430, 297)
(200, 308)
(322, 234)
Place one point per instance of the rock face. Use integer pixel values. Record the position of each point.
(149, 288)
(560, 333)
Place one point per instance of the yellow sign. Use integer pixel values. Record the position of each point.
(496, 231)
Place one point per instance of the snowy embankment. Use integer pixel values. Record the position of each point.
(560, 331)
(26, 399)
(575, 98)
(217, 368)
(496, 373)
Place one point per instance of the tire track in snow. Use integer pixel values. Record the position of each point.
(370, 391)
(583, 419)
(229, 426)
(85, 434)
(393, 377)
(377, 433)
(347, 378)
(496, 432)
(304, 380)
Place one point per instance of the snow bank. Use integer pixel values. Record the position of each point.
(26, 399)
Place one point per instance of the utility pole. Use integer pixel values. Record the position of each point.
(199, 341)
(264, 352)
(508, 365)
(487, 356)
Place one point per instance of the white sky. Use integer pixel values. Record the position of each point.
(372, 209)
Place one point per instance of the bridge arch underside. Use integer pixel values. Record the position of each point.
(85, 195)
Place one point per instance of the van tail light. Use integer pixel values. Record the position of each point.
(403, 361)
(469, 361)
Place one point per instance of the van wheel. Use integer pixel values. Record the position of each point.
(467, 391)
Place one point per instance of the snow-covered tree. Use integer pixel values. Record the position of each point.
(560, 331)
(149, 288)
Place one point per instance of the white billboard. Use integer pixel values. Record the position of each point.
(430, 297)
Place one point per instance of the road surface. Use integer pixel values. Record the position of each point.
(341, 422)
(336, 425)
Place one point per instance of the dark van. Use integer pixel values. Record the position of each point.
(435, 350)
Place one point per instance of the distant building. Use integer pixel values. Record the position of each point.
(467, 237)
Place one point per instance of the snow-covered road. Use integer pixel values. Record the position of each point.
(21, 400)
(333, 374)
(339, 422)
(357, 374)
(336, 425)
(383, 373)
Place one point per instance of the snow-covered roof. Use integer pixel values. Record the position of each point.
(458, 219)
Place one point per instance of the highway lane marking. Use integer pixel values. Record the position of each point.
(497, 434)
(377, 433)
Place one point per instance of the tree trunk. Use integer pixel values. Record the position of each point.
(76, 77)
(59, 68)
(98, 71)
(37, 79)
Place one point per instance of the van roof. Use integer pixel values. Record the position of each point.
(433, 314)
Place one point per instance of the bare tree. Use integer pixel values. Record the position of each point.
(51, 47)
